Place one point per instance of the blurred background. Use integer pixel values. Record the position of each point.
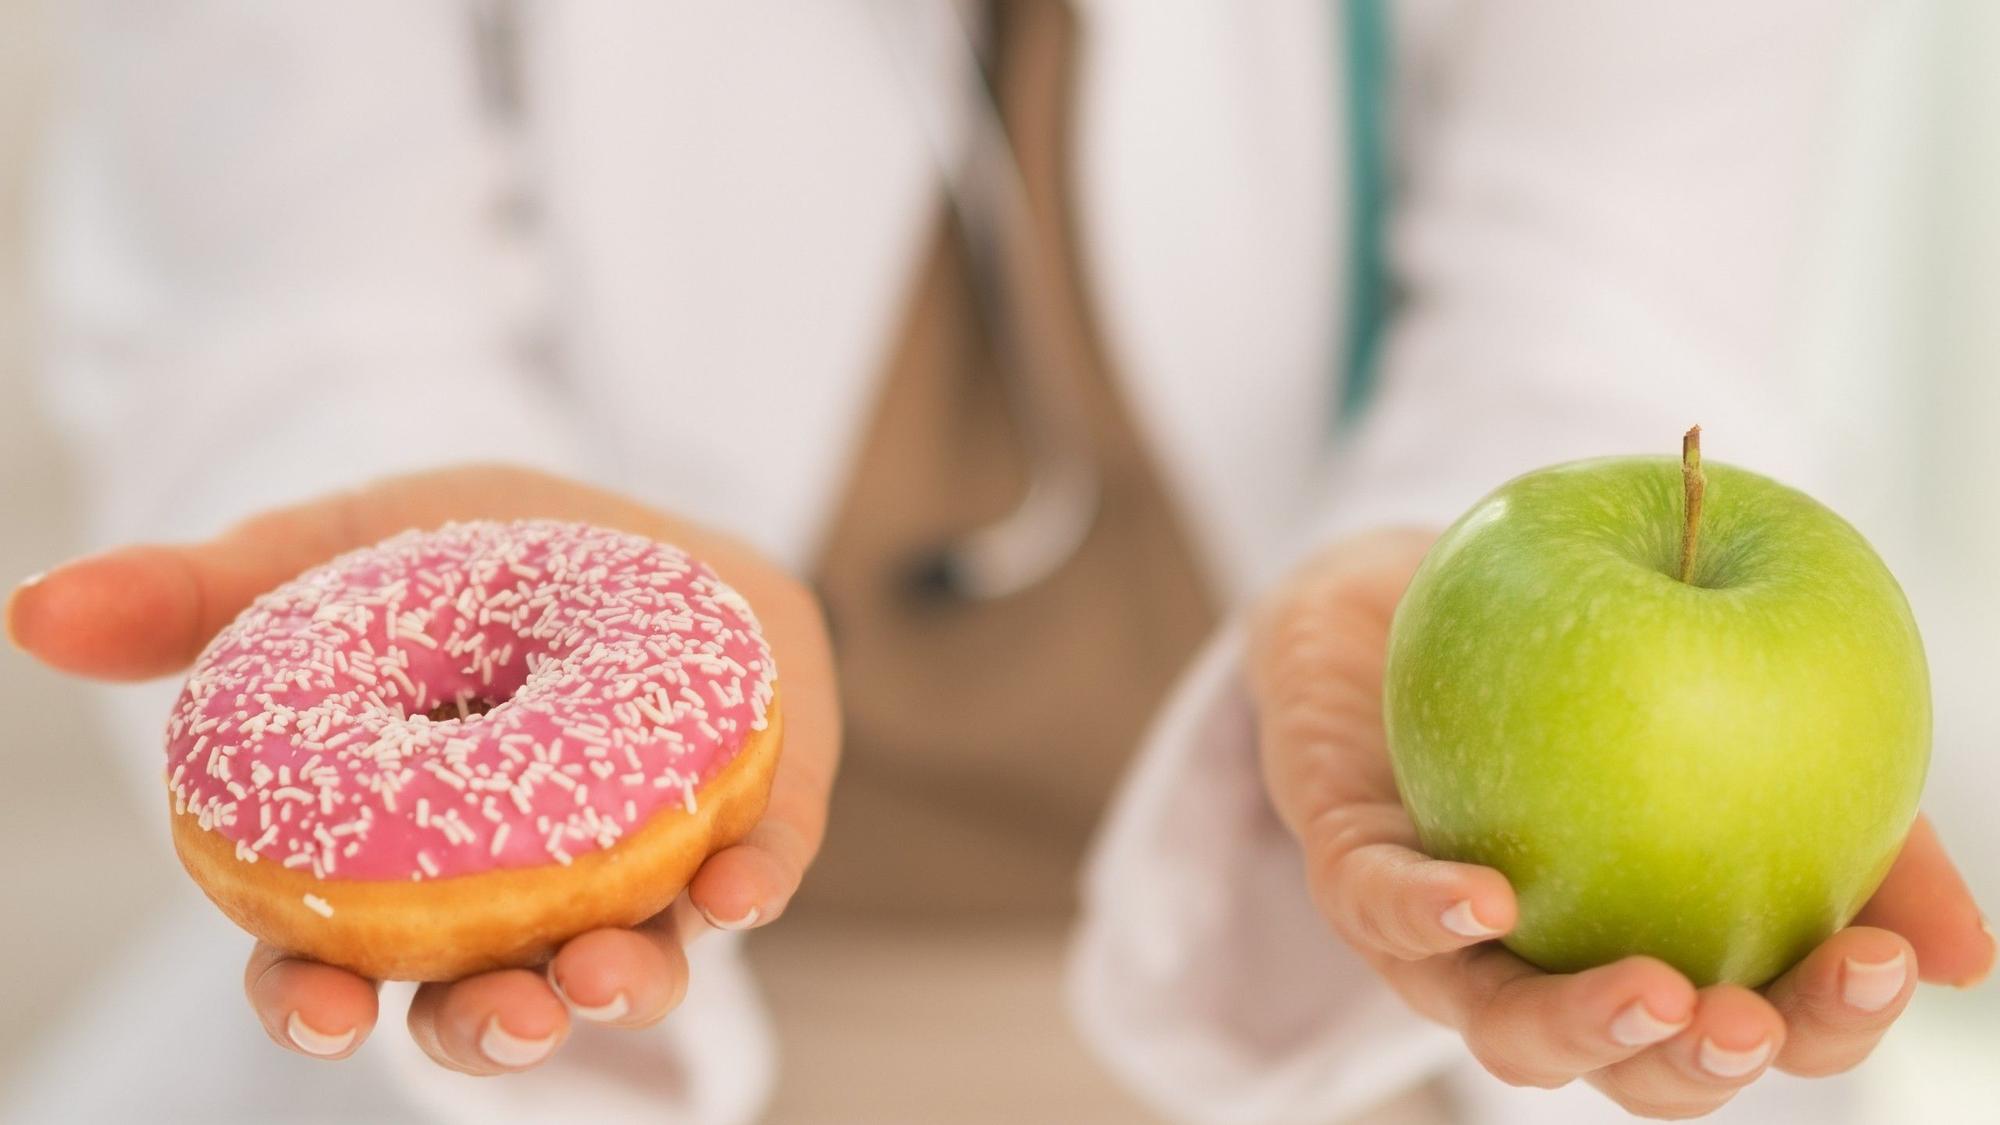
(117, 872)
(1904, 327)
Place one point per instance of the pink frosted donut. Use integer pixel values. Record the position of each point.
(454, 749)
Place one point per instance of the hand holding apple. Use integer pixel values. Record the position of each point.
(1637, 1029)
(1685, 712)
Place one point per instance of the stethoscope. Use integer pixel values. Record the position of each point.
(984, 186)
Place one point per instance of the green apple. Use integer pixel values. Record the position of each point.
(1717, 772)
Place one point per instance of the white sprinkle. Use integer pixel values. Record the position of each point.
(318, 905)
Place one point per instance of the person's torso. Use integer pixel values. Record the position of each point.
(739, 200)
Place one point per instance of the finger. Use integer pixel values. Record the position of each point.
(1539, 1029)
(492, 1023)
(314, 1009)
(1384, 896)
(1925, 899)
(1733, 1037)
(625, 978)
(130, 614)
(1839, 1001)
(751, 883)
(144, 611)
(1315, 669)
(684, 921)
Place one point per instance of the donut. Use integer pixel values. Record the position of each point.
(453, 750)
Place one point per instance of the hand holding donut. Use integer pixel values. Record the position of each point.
(147, 611)
(1636, 1029)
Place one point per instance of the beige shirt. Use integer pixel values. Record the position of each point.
(918, 973)
(984, 737)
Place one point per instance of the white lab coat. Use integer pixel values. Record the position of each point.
(274, 263)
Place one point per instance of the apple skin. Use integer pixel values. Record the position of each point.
(1717, 774)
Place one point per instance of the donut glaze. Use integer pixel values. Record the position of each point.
(333, 729)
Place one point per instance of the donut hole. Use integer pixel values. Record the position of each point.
(463, 707)
(465, 687)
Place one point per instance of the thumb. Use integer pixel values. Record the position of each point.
(138, 612)
(143, 611)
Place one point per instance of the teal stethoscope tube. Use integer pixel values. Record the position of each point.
(1039, 537)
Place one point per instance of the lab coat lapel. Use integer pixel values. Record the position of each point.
(752, 249)
(1210, 200)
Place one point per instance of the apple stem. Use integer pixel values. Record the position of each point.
(1693, 484)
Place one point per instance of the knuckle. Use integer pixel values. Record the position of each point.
(1338, 837)
(1514, 1063)
(1307, 629)
(1521, 1061)
(1368, 910)
(1815, 1008)
(1331, 715)
(1329, 839)
(1367, 929)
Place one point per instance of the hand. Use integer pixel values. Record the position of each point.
(1637, 1029)
(146, 611)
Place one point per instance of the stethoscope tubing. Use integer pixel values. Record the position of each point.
(984, 186)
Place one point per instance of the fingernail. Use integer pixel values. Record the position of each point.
(604, 1013)
(1979, 977)
(743, 923)
(511, 1050)
(1723, 1062)
(617, 1009)
(13, 600)
(1637, 1026)
(1872, 985)
(1462, 921)
(319, 1043)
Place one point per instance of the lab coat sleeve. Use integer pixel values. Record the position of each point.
(1603, 231)
(278, 258)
